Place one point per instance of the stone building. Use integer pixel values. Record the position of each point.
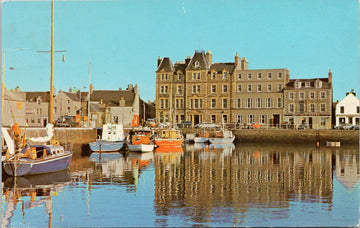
(199, 90)
(66, 104)
(37, 108)
(13, 108)
(309, 102)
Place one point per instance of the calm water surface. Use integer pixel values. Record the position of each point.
(197, 185)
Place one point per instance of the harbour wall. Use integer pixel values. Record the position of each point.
(287, 136)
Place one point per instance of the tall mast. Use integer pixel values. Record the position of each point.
(89, 94)
(51, 106)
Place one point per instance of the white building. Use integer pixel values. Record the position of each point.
(347, 110)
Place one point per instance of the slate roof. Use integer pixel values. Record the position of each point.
(96, 107)
(72, 96)
(325, 83)
(199, 56)
(219, 67)
(113, 97)
(33, 96)
(181, 67)
(166, 65)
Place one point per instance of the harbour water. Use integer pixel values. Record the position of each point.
(196, 185)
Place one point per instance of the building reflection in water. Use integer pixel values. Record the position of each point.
(209, 178)
(32, 191)
(115, 168)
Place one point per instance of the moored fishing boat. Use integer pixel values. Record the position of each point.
(169, 137)
(112, 139)
(140, 140)
(222, 136)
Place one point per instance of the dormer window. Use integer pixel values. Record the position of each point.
(318, 84)
(38, 101)
(307, 84)
(297, 84)
(224, 75)
(213, 76)
(197, 64)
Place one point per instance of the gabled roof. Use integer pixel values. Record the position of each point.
(325, 83)
(96, 107)
(72, 96)
(198, 61)
(219, 67)
(33, 96)
(11, 96)
(113, 97)
(350, 97)
(166, 65)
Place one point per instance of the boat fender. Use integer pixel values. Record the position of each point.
(56, 142)
(33, 153)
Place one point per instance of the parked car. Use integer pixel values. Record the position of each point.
(302, 126)
(205, 124)
(185, 124)
(344, 127)
(164, 125)
(150, 122)
(66, 121)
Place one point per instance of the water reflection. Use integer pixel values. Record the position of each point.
(30, 192)
(119, 168)
(198, 184)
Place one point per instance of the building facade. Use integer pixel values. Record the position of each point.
(37, 108)
(199, 90)
(347, 110)
(13, 108)
(309, 102)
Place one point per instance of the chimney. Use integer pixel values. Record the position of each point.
(158, 61)
(209, 58)
(330, 77)
(244, 64)
(122, 102)
(17, 89)
(187, 60)
(237, 61)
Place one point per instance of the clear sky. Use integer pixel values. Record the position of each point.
(123, 39)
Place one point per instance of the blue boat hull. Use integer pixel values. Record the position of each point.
(33, 167)
(106, 146)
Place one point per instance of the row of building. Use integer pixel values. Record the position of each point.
(199, 90)
(102, 106)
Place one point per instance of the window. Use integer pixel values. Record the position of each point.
(279, 87)
(238, 103)
(213, 76)
(239, 88)
(322, 107)
(307, 84)
(239, 76)
(213, 118)
(198, 76)
(238, 118)
(258, 102)
(161, 89)
(68, 110)
(291, 96)
(279, 103)
(269, 76)
(322, 95)
(302, 96)
(39, 101)
(224, 88)
(250, 118)
(268, 102)
(357, 109)
(197, 64)
(194, 76)
(225, 75)
(342, 109)
(166, 89)
(179, 103)
(213, 88)
(166, 103)
(179, 76)
(291, 107)
(301, 107)
(323, 122)
(279, 75)
(312, 107)
(68, 101)
(249, 88)
(225, 118)
(198, 89)
(312, 95)
(318, 83)
(263, 119)
(194, 88)
(191, 103)
(179, 91)
(259, 88)
(213, 103)
(200, 103)
(248, 103)
(259, 76)
(196, 103)
(224, 103)
(249, 76)
(297, 84)
(269, 88)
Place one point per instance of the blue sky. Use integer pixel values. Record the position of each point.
(123, 39)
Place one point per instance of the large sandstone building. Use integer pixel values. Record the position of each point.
(199, 90)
